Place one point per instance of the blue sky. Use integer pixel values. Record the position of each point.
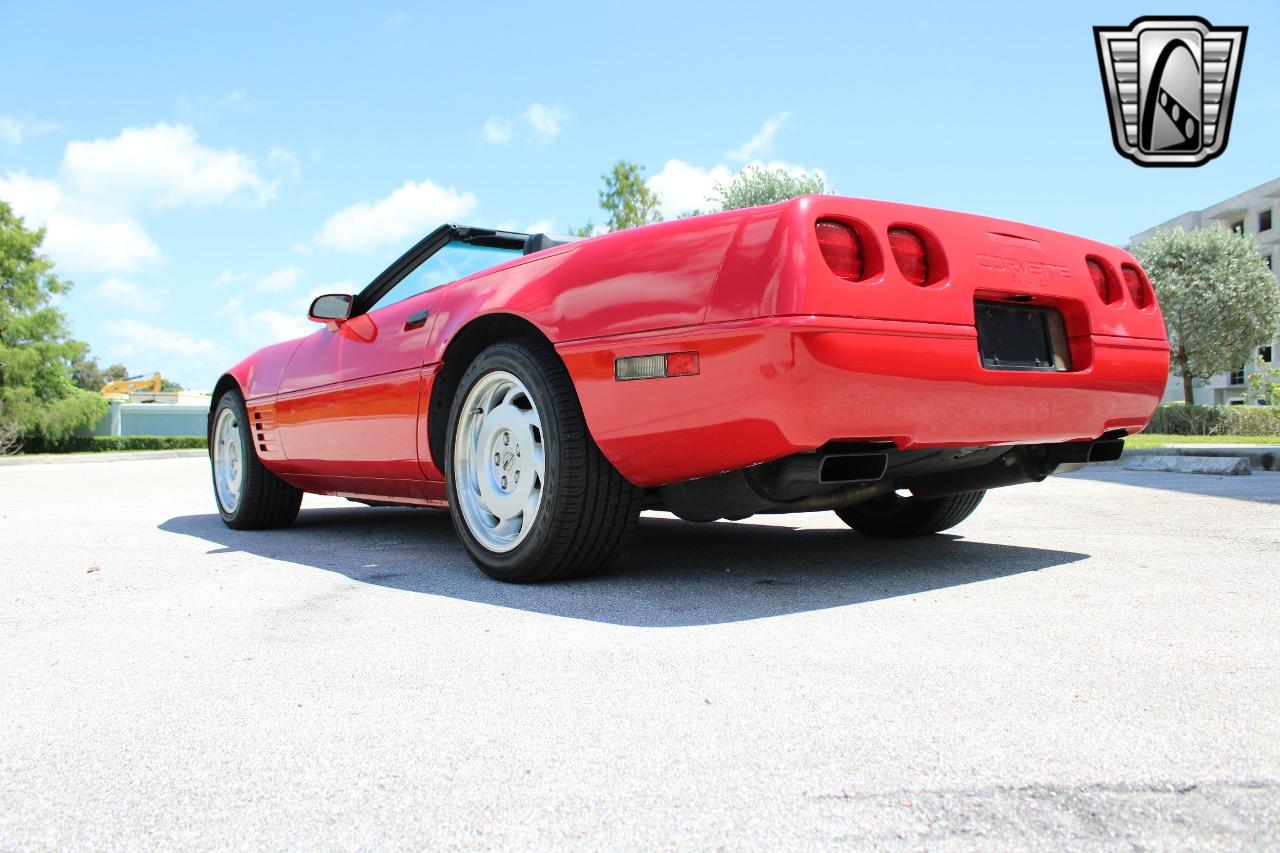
(203, 170)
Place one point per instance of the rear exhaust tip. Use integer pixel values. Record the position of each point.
(1106, 451)
(838, 468)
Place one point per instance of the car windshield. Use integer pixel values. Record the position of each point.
(454, 261)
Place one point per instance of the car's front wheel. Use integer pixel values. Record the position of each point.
(897, 516)
(249, 497)
(532, 497)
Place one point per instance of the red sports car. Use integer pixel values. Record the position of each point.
(885, 361)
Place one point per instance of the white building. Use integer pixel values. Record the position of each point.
(1253, 211)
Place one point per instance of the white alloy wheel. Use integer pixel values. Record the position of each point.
(228, 460)
(499, 462)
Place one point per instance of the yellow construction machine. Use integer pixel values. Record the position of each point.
(134, 384)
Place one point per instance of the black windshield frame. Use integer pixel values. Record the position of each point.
(424, 249)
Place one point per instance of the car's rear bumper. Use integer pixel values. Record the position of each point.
(775, 386)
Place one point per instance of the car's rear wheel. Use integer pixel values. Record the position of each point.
(249, 497)
(532, 497)
(897, 516)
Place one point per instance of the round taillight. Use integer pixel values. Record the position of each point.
(841, 249)
(1138, 290)
(1102, 281)
(911, 254)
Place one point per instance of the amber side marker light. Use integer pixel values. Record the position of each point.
(656, 366)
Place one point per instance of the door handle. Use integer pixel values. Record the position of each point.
(417, 319)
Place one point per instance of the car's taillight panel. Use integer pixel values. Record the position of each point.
(841, 249)
(918, 254)
(1136, 283)
(911, 254)
(1104, 280)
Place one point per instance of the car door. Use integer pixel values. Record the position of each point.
(348, 402)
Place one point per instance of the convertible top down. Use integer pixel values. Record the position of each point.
(885, 361)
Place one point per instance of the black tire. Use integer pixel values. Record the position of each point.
(588, 509)
(265, 500)
(894, 516)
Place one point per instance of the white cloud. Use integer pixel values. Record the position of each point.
(282, 280)
(163, 166)
(89, 208)
(14, 130)
(228, 277)
(683, 187)
(258, 326)
(284, 161)
(11, 130)
(34, 198)
(539, 123)
(545, 121)
(207, 107)
(496, 130)
(762, 141)
(79, 238)
(301, 247)
(541, 226)
(411, 210)
(273, 325)
(157, 341)
(77, 243)
(129, 295)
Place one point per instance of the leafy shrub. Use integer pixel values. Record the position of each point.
(1181, 419)
(107, 443)
(755, 185)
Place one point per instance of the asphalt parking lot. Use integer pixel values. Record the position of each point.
(1093, 661)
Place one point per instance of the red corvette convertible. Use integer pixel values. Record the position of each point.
(885, 361)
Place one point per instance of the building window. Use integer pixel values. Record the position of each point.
(1237, 227)
(1264, 353)
(1237, 377)
(1264, 220)
(1266, 259)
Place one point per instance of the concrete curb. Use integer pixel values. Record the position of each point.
(105, 456)
(1263, 457)
(1223, 466)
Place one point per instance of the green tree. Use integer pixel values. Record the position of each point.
(755, 185)
(37, 395)
(1220, 301)
(86, 373)
(627, 198)
(1264, 382)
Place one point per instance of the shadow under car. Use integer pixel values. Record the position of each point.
(674, 573)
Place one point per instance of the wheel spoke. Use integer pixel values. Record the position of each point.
(499, 463)
(539, 461)
(530, 511)
(228, 460)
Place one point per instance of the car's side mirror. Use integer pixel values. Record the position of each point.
(330, 309)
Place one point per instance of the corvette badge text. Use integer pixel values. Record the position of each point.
(1170, 85)
(1033, 273)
